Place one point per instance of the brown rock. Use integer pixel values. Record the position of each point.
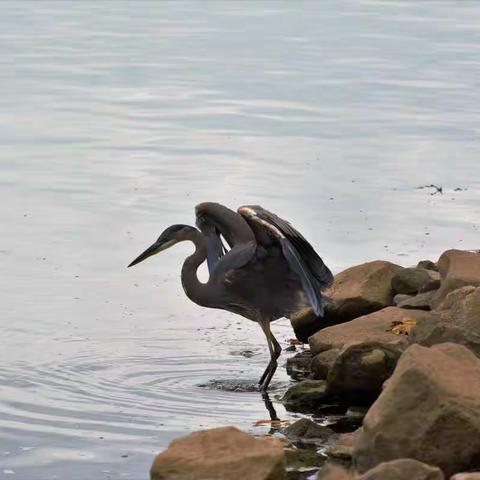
(359, 371)
(342, 449)
(322, 363)
(461, 307)
(334, 472)
(410, 280)
(457, 268)
(466, 476)
(436, 330)
(403, 469)
(376, 327)
(220, 454)
(429, 410)
(356, 291)
(363, 289)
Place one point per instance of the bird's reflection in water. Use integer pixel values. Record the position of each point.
(271, 409)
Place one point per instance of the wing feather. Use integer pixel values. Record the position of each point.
(315, 276)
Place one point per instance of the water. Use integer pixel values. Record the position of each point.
(116, 118)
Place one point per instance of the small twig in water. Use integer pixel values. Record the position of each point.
(437, 189)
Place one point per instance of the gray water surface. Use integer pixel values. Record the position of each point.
(117, 117)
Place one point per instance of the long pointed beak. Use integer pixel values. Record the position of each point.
(157, 247)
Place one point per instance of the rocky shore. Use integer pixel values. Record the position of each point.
(401, 345)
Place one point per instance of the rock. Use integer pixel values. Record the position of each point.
(422, 301)
(400, 297)
(466, 476)
(305, 322)
(361, 368)
(307, 431)
(428, 265)
(461, 307)
(306, 395)
(334, 472)
(363, 289)
(220, 454)
(298, 366)
(356, 291)
(303, 459)
(322, 363)
(434, 331)
(457, 268)
(410, 280)
(433, 284)
(429, 410)
(376, 327)
(403, 469)
(342, 449)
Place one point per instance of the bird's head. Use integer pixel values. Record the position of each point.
(168, 238)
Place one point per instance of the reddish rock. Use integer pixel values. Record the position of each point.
(403, 469)
(429, 410)
(461, 307)
(375, 327)
(334, 472)
(322, 363)
(221, 454)
(457, 268)
(356, 291)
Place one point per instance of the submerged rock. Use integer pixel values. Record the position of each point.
(428, 411)
(307, 431)
(221, 454)
(334, 472)
(403, 469)
(306, 395)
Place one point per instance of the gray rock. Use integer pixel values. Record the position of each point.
(307, 431)
(306, 395)
(422, 301)
(322, 363)
(298, 366)
(400, 297)
(428, 265)
(410, 280)
(361, 368)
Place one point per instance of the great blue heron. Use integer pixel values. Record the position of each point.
(270, 271)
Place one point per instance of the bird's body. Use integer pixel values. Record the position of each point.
(269, 272)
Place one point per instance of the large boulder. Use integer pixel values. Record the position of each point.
(220, 454)
(457, 268)
(363, 289)
(403, 469)
(429, 410)
(360, 369)
(356, 291)
(375, 327)
(412, 280)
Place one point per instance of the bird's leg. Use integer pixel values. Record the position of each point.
(275, 351)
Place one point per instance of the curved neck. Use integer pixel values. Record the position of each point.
(194, 289)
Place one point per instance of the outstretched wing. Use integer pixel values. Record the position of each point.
(216, 221)
(300, 255)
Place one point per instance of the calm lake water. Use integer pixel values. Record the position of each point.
(116, 118)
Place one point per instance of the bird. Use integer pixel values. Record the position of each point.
(266, 271)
